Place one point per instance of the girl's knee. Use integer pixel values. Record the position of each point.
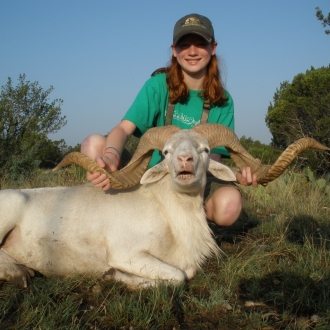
(92, 144)
(225, 206)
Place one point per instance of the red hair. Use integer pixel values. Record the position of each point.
(212, 90)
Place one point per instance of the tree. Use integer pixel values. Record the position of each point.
(50, 152)
(266, 153)
(302, 108)
(26, 118)
(325, 20)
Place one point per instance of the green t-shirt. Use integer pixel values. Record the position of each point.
(149, 110)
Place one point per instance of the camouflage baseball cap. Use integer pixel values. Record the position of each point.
(195, 24)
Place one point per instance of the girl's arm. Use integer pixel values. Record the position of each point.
(109, 155)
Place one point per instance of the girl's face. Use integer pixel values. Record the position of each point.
(193, 54)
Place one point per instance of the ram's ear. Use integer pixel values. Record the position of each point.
(155, 173)
(221, 171)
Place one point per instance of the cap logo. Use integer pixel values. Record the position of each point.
(193, 21)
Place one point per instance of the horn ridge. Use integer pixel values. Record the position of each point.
(289, 154)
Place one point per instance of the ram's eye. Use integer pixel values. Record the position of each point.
(207, 150)
(165, 152)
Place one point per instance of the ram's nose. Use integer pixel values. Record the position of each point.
(186, 162)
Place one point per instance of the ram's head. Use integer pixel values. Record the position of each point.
(186, 160)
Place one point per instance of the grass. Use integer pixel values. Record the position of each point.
(274, 274)
(69, 176)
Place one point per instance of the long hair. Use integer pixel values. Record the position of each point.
(212, 89)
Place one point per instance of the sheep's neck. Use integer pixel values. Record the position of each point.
(186, 218)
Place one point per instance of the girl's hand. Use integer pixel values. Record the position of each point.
(110, 164)
(246, 178)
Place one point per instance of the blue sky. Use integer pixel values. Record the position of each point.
(98, 54)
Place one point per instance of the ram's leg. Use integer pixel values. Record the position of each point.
(10, 271)
(148, 270)
(12, 206)
(132, 281)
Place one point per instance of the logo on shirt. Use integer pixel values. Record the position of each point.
(187, 120)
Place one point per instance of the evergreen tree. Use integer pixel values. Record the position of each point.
(302, 108)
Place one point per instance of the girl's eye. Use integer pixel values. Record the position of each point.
(183, 46)
(199, 45)
(202, 44)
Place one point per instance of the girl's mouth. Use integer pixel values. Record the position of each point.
(192, 61)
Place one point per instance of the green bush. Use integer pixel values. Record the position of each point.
(26, 119)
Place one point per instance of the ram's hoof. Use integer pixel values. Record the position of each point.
(109, 274)
(15, 273)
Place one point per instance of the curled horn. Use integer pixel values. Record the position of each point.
(219, 135)
(289, 154)
(130, 175)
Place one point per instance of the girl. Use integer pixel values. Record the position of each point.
(187, 92)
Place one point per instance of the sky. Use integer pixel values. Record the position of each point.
(98, 54)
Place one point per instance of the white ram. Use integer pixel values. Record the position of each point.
(141, 234)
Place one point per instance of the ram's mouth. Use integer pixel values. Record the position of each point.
(185, 175)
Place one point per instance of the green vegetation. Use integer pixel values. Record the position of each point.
(26, 118)
(302, 108)
(324, 19)
(274, 273)
(266, 153)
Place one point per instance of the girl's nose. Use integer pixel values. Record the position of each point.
(192, 50)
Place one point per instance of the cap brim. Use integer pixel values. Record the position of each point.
(199, 33)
